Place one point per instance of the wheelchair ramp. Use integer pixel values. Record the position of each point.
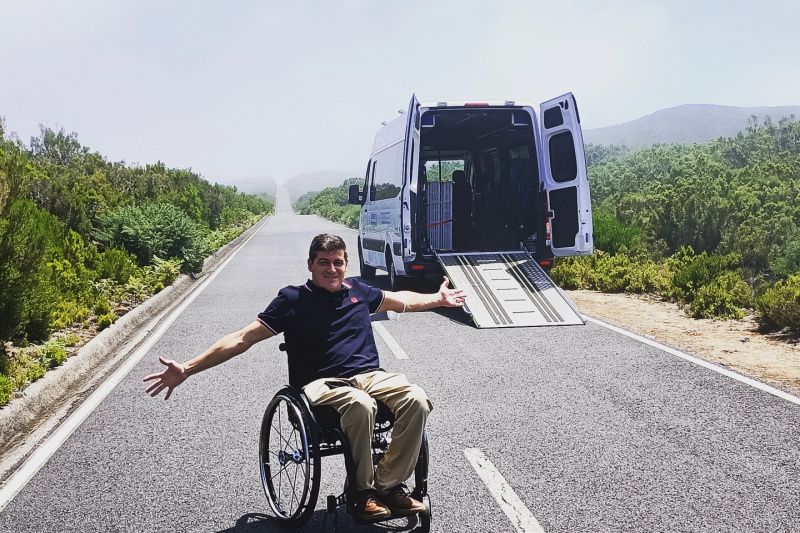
(508, 289)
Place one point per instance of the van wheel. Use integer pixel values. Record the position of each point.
(395, 282)
(367, 272)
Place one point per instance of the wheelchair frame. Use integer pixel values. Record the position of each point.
(296, 436)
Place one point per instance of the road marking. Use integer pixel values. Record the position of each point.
(396, 349)
(521, 518)
(43, 453)
(700, 362)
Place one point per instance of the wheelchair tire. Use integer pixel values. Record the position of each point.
(290, 465)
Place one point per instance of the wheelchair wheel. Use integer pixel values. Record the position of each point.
(290, 466)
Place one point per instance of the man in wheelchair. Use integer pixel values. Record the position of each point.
(333, 357)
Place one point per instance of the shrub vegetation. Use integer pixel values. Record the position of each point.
(83, 239)
(331, 203)
(715, 227)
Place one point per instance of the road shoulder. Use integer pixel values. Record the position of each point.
(734, 344)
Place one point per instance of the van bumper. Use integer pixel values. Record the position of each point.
(422, 265)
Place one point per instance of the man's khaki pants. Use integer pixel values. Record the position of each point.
(354, 399)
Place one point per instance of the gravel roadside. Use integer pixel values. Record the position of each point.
(734, 344)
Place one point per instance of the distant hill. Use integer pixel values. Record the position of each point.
(316, 181)
(685, 124)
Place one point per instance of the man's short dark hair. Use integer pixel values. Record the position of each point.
(325, 242)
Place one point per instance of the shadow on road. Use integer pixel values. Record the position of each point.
(262, 523)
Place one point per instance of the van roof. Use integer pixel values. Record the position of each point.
(394, 131)
(463, 103)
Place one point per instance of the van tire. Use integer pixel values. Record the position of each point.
(395, 281)
(367, 272)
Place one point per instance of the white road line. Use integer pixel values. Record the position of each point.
(700, 362)
(396, 349)
(39, 458)
(521, 518)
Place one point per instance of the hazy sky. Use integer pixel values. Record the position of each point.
(242, 89)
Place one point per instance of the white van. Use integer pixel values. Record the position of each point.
(466, 177)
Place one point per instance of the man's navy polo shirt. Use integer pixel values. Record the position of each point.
(328, 334)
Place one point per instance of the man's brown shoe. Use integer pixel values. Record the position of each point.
(369, 507)
(400, 503)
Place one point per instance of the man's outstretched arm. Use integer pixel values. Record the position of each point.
(227, 347)
(407, 301)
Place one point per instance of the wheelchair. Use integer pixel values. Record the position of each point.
(296, 436)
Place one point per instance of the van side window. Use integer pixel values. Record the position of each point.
(387, 181)
(563, 165)
(372, 181)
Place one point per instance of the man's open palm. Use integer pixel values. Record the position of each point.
(451, 297)
(169, 378)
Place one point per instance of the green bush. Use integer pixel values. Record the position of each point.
(573, 273)
(724, 297)
(331, 203)
(161, 273)
(25, 367)
(27, 288)
(102, 307)
(785, 260)
(6, 389)
(612, 273)
(71, 339)
(154, 230)
(68, 312)
(103, 321)
(53, 354)
(116, 265)
(611, 235)
(779, 306)
(693, 271)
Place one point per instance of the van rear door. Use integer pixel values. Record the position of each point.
(410, 156)
(564, 177)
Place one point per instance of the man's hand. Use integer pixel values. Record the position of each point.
(169, 378)
(450, 297)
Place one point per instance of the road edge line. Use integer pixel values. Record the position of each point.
(700, 362)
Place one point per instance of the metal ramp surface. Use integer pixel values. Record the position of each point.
(508, 289)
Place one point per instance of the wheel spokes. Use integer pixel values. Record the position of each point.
(285, 443)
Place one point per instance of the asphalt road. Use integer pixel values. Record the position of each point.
(592, 430)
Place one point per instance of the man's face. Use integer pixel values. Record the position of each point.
(327, 270)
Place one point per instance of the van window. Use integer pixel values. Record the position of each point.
(372, 181)
(563, 165)
(435, 172)
(387, 180)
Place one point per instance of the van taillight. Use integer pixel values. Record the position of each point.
(417, 267)
(476, 104)
(546, 263)
(548, 228)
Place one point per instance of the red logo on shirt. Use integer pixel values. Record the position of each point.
(353, 299)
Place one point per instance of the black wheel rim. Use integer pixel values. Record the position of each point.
(286, 465)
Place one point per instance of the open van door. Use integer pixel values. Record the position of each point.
(410, 157)
(564, 177)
